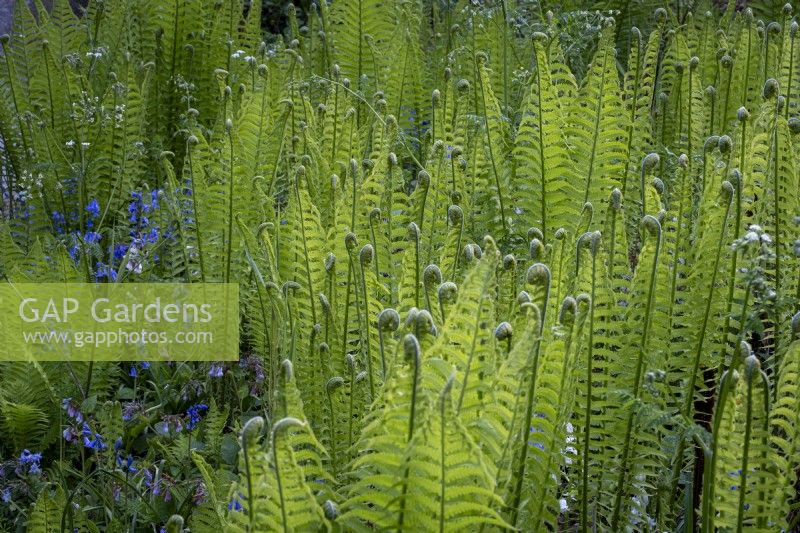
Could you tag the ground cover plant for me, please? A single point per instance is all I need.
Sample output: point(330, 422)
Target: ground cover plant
point(502, 264)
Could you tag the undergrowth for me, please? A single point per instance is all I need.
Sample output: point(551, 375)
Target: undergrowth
point(501, 267)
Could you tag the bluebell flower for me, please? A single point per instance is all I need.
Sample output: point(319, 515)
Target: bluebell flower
point(73, 411)
point(216, 370)
point(59, 221)
point(235, 505)
point(6, 495)
point(129, 410)
point(105, 272)
point(170, 423)
point(152, 236)
point(91, 237)
point(194, 413)
point(133, 372)
point(147, 480)
point(70, 434)
point(126, 464)
point(92, 440)
point(93, 209)
point(29, 460)
point(120, 250)
point(145, 365)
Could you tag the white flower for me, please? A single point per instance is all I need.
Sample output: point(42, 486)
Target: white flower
point(134, 265)
point(70, 143)
point(562, 504)
point(134, 262)
point(751, 236)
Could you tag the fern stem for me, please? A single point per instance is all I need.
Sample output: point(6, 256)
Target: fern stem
point(366, 334)
point(198, 235)
point(415, 235)
point(301, 223)
point(748, 54)
point(18, 115)
point(472, 349)
point(229, 244)
point(333, 384)
point(588, 415)
point(634, 99)
point(596, 130)
point(735, 236)
point(790, 83)
point(523, 452)
point(281, 425)
point(776, 210)
point(692, 381)
point(346, 325)
point(375, 260)
point(442, 454)
point(748, 428)
point(248, 477)
point(538, 514)
point(491, 152)
point(621, 481)
point(709, 469)
point(542, 161)
point(505, 55)
point(411, 349)
point(458, 253)
point(352, 366)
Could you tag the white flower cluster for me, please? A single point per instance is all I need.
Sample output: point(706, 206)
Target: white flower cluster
point(71, 144)
point(30, 186)
point(87, 109)
point(119, 115)
point(755, 236)
point(97, 53)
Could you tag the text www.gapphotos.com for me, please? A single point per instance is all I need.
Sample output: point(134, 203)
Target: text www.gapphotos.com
point(79, 339)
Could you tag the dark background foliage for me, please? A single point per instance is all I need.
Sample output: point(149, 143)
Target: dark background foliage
point(273, 15)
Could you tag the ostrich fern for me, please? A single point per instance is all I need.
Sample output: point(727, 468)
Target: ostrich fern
point(496, 271)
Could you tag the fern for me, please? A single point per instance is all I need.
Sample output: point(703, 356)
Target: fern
point(502, 265)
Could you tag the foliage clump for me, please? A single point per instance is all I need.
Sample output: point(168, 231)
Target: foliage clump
point(501, 267)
